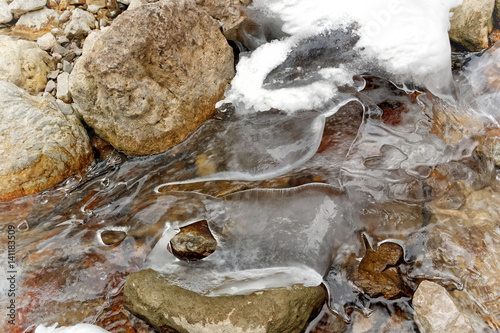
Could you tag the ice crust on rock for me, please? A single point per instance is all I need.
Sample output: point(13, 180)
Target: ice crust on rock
point(266, 238)
point(406, 40)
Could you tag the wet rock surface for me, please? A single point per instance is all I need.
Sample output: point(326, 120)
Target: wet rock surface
point(132, 78)
point(193, 242)
point(167, 306)
point(427, 171)
point(378, 273)
point(40, 145)
point(435, 311)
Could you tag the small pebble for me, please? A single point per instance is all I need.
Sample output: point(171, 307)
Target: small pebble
point(56, 56)
point(51, 85)
point(49, 97)
point(64, 107)
point(70, 56)
point(53, 75)
point(58, 48)
point(65, 16)
point(93, 8)
point(56, 31)
point(78, 52)
point(59, 66)
point(62, 40)
point(46, 42)
point(67, 67)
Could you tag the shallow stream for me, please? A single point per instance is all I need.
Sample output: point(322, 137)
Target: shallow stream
point(334, 154)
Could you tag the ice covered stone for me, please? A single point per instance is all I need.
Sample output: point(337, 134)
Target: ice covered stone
point(164, 304)
point(435, 311)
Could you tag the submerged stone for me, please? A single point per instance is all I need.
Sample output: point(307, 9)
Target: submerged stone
point(167, 306)
point(435, 311)
point(193, 242)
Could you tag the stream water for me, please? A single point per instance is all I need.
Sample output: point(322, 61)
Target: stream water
point(331, 141)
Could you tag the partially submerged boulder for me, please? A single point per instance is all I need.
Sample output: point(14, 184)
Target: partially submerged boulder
point(471, 23)
point(24, 64)
point(166, 306)
point(39, 145)
point(146, 84)
point(435, 311)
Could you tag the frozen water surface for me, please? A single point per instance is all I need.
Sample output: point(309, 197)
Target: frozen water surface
point(340, 125)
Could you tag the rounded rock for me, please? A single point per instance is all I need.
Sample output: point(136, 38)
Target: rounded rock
point(39, 145)
point(144, 87)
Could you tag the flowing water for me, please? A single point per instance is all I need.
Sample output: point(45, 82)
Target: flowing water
point(332, 143)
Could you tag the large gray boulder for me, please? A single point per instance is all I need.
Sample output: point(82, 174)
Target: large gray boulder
point(471, 23)
point(24, 64)
point(153, 77)
point(39, 145)
point(166, 306)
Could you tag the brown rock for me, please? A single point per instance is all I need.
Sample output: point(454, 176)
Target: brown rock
point(39, 145)
point(228, 12)
point(167, 306)
point(193, 242)
point(144, 87)
point(378, 273)
point(471, 23)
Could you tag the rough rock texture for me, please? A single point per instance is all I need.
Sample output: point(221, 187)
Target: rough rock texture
point(378, 273)
point(24, 64)
point(228, 12)
point(5, 14)
point(42, 19)
point(80, 24)
point(63, 88)
point(145, 87)
point(39, 146)
point(19, 7)
point(164, 305)
point(465, 243)
point(435, 311)
point(194, 242)
point(471, 23)
point(46, 42)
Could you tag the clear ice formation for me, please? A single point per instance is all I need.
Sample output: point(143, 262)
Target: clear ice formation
point(266, 239)
point(479, 83)
point(281, 97)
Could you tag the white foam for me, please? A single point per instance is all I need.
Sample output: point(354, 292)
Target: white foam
point(408, 39)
